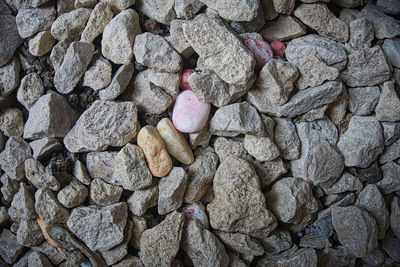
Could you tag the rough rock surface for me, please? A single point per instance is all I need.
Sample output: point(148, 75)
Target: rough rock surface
point(12, 158)
point(33, 20)
point(262, 148)
point(391, 178)
point(30, 90)
point(160, 10)
point(388, 107)
point(362, 100)
point(12, 122)
point(10, 249)
point(44, 147)
point(103, 193)
point(37, 175)
point(48, 208)
point(171, 190)
point(70, 25)
point(99, 18)
point(29, 233)
point(286, 138)
point(118, 83)
point(141, 200)
point(98, 74)
point(10, 39)
point(100, 165)
point(9, 76)
point(282, 29)
point(236, 11)
point(22, 205)
point(72, 195)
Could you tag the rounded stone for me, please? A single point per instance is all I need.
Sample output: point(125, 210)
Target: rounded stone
point(185, 79)
point(261, 50)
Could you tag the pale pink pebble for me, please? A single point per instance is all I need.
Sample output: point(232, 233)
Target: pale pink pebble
point(184, 81)
point(278, 48)
point(196, 211)
point(189, 114)
point(261, 50)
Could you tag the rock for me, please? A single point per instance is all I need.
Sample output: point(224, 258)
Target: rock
point(197, 212)
point(51, 252)
point(40, 124)
point(176, 33)
point(261, 50)
point(37, 175)
point(292, 257)
point(85, 3)
point(361, 144)
point(104, 194)
point(361, 35)
point(64, 6)
point(189, 114)
point(283, 29)
point(278, 48)
point(286, 138)
point(202, 247)
point(29, 233)
point(283, 6)
point(366, 67)
point(269, 171)
point(41, 44)
point(235, 69)
point(152, 91)
point(10, 249)
point(253, 25)
point(227, 147)
point(391, 153)
point(160, 244)
point(337, 110)
point(48, 208)
point(98, 74)
point(9, 76)
point(72, 195)
point(356, 229)
point(262, 148)
point(345, 183)
point(187, 9)
point(139, 226)
point(44, 147)
point(200, 176)
point(13, 156)
point(235, 119)
point(312, 115)
point(171, 190)
point(143, 199)
point(130, 168)
point(58, 53)
point(101, 228)
point(391, 132)
point(12, 122)
point(33, 20)
point(384, 26)
point(10, 39)
point(318, 17)
point(150, 48)
point(70, 25)
point(118, 5)
point(81, 173)
point(38, 259)
point(394, 216)
point(118, 252)
point(118, 83)
point(338, 256)
point(30, 90)
point(130, 261)
point(101, 165)
point(362, 100)
point(104, 124)
point(388, 107)
point(176, 144)
point(391, 178)
point(241, 243)
point(99, 18)
point(348, 14)
point(160, 10)
point(276, 242)
point(238, 199)
point(322, 226)
point(313, 54)
point(22, 205)
point(155, 152)
point(238, 11)
point(391, 244)
point(4, 217)
point(201, 138)
point(76, 60)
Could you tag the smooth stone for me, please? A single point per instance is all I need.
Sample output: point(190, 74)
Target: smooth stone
point(261, 50)
point(189, 114)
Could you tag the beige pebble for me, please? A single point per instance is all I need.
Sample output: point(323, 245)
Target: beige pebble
point(155, 152)
point(175, 142)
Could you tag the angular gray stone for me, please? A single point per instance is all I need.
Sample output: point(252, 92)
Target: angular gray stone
point(361, 34)
point(160, 244)
point(269, 171)
point(160, 10)
point(118, 5)
point(238, 200)
point(175, 38)
point(12, 158)
point(131, 261)
point(236, 11)
point(104, 124)
point(348, 14)
point(390, 245)
point(356, 229)
point(99, 18)
point(41, 44)
point(80, 172)
point(391, 178)
point(4, 217)
point(253, 25)
point(85, 3)
point(201, 138)
point(345, 183)
point(391, 132)
point(10, 39)
point(279, 240)
point(118, 37)
point(98, 74)
point(22, 205)
point(70, 25)
point(101, 228)
point(389, 6)
point(316, 242)
point(292, 202)
point(391, 152)
point(118, 83)
point(50, 116)
point(139, 226)
point(73, 67)
point(9, 75)
point(104, 194)
point(48, 208)
point(284, 28)
point(155, 52)
point(362, 100)
point(37, 175)
point(283, 6)
point(338, 256)
point(141, 200)
point(33, 20)
point(362, 143)
point(29, 233)
point(72, 195)
point(227, 147)
point(30, 90)
point(394, 219)
point(186, 9)
point(171, 190)
point(58, 53)
point(292, 257)
point(314, 114)
point(12, 122)
point(43, 147)
point(391, 48)
point(101, 165)
point(241, 243)
point(38, 259)
point(51, 252)
point(388, 107)
point(10, 249)
point(261, 148)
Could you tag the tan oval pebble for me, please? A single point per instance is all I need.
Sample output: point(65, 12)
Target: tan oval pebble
point(175, 142)
point(155, 152)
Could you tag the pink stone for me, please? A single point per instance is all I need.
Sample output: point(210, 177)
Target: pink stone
point(184, 81)
point(189, 114)
point(196, 211)
point(278, 48)
point(261, 50)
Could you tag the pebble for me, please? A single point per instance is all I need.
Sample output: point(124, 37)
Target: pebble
point(98, 74)
point(155, 152)
point(185, 79)
point(189, 114)
point(196, 211)
point(261, 50)
point(278, 48)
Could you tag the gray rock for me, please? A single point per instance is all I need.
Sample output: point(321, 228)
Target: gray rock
point(81, 173)
point(361, 34)
point(372, 173)
point(73, 67)
point(253, 25)
point(3, 140)
point(33, 20)
point(155, 52)
point(130, 260)
point(293, 203)
point(226, 147)
point(99, 18)
point(394, 219)
point(347, 3)
point(237, 11)
point(235, 119)
point(362, 143)
point(356, 229)
point(293, 257)
point(171, 190)
point(48, 208)
point(100, 228)
point(339, 200)
point(43, 147)
point(176, 32)
point(37, 259)
point(391, 244)
point(10, 249)
point(118, 252)
point(388, 107)
point(284, 28)
point(160, 10)
point(201, 138)
point(186, 9)
point(141, 200)
point(313, 54)
point(30, 90)
point(12, 122)
point(389, 6)
point(269, 171)
point(118, 37)
point(313, 114)
point(12, 158)
point(5, 10)
point(232, 62)
point(366, 67)
point(322, 226)
point(98, 74)
point(377, 257)
point(70, 25)
point(338, 256)
point(85, 3)
point(41, 44)
point(391, 132)
point(139, 226)
point(348, 14)
point(101, 165)
point(22, 205)
point(25, 3)
point(37, 175)
point(72, 195)
point(362, 100)
point(9, 75)
point(118, 83)
point(241, 243)
point(104, 124)
point(238, 200)
point(202, 247)
point(318, 17)
point(118, 5)
point(276, 242)
point(391, 152)
point(104, 194)
point(58, 53)
point(200, 176)
point(50, 116)
point(10, 39)
point(4, 217)
point(160, 244)
point(29, 233)
point(283, 6)
point(261, 148)
point(345, 183)
point(316, 242)
point(391, 178)
point(64, 6)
